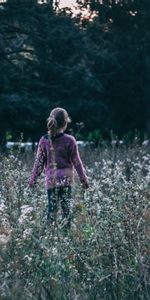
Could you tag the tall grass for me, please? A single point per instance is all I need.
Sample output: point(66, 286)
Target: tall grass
point(105, 254)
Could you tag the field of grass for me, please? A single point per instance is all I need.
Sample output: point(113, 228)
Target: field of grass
point(105, 254)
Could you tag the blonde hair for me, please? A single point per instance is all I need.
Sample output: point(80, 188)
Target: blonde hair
point(58, 118)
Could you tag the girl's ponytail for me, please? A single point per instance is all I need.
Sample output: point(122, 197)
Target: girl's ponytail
point(52, 125)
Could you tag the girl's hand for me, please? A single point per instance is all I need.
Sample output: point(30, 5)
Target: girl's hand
point(31, 185)
point(85, 185)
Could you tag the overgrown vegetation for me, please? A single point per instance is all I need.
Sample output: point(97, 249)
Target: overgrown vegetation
point(105, 255)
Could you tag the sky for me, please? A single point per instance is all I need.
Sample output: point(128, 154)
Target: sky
point(62, 3)
point(69, 3)
point(86, 13)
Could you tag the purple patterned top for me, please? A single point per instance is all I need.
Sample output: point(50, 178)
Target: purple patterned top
point(57, 156)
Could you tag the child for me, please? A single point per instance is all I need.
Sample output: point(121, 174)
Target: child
point(58, 153)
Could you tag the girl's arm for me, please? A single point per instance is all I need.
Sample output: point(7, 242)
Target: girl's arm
point(38, 164)
point(76, 160)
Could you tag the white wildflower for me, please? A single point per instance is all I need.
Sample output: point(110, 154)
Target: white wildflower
point(27, 232)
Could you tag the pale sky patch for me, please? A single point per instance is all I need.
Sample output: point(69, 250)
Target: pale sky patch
point(62, 3)
point(67, 3)
point(86, 12)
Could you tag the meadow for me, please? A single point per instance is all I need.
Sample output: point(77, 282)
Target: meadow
point(105, 254)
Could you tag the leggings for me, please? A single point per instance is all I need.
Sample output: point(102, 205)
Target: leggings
point(62, 194)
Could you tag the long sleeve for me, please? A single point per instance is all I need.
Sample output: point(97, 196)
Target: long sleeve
point(77, 163)
point(38, 164)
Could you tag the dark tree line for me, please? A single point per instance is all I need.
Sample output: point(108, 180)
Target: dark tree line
point(98, 70)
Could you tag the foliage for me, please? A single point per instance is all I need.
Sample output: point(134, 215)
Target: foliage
point(96, 68)
point(104, 255)
point(120, 39)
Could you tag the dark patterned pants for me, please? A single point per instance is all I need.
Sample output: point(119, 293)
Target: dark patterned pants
point(59, 194)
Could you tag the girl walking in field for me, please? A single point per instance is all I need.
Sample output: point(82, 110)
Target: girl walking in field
point(58, 154)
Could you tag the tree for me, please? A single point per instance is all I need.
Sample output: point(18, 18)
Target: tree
point(121, 38)
point(44, 59)
point(98, 70)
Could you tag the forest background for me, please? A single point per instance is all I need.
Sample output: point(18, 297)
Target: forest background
point(95, 63)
